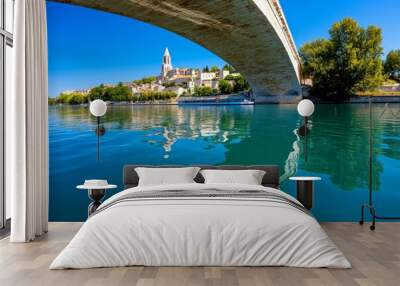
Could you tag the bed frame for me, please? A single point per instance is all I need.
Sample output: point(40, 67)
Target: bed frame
point(271, 177)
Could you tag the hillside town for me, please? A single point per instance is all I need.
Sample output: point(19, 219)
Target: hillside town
point(171, 84)
point(183, 80)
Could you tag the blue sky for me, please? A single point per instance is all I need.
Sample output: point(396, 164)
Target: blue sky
point(88, 47)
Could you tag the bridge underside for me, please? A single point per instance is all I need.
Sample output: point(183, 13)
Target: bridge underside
point(244, 33)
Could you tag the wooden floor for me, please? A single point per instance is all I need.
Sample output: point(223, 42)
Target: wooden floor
point(375, 257)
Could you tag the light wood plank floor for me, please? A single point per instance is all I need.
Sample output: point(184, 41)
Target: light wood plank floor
point(375, 257)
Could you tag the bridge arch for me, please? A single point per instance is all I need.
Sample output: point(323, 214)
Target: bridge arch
point(251, 35)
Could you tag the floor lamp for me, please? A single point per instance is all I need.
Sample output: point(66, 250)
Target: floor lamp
point(98, 108)
point(369, 206)
point(305, 108)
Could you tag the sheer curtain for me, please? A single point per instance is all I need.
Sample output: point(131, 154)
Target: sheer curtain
point(26, 124)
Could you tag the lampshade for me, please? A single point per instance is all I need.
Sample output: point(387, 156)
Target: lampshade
point(98, 107)
point(305, 108)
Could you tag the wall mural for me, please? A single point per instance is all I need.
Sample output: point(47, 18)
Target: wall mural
point(207, 115)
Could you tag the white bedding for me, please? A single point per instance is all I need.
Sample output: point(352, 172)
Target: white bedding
point(200, 231)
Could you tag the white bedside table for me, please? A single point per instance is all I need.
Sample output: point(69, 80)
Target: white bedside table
point(96, 191)
point(305, 190)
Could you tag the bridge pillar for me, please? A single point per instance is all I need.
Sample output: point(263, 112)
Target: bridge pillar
point(291, 92)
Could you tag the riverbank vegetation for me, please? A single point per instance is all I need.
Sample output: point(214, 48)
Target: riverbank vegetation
point(239, 83)
point(346, 63)
point(110, 93)
point(225, 87)
point(145, 80)
point(71, 98)
point(118, 93)
point(204, 91)
point(233, 83)
point(154, 96)
point(392, 65)
point(349, 62)
point(378, 93)
point(106, 93)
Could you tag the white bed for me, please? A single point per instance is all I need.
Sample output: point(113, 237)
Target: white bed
point(200, 231)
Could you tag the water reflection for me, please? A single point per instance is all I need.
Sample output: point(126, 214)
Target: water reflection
point(266, 134)
point(339, 144)
point(164, 125)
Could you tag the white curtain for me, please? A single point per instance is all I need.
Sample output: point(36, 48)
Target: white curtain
point(26, 124)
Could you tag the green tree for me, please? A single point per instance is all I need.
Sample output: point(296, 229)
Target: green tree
point(155, 95)
point(121, 93)
point(108, 93)
point(145, 80)
point(97, 92)
point(72, 98)
point(63, 98)
point(315, 58)
point(348, 62)
point(240, 84)
point(77, 98)
point(169, 84)
point(203, 91)
point(392, 64)
point(52, 100)
point(229, 68)
point(225, 87)
point(230, 77)
point(214, 69)
point(206, 69)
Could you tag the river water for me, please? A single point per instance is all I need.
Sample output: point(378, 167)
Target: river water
point(260, 134)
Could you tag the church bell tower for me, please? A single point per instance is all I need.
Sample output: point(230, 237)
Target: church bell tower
point(166, 63)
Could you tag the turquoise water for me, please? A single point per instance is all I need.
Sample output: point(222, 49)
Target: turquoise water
point(263, 134)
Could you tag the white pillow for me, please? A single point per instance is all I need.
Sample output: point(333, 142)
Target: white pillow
point(166, 176)
point(245, 177)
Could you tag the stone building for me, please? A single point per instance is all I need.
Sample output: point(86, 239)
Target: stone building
point(187, 79)
point(166, 63)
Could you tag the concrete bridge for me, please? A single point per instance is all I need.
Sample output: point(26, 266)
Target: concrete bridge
point(251, 35)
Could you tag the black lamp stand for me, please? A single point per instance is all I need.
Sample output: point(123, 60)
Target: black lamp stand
point(303, 131)
point(100, 131)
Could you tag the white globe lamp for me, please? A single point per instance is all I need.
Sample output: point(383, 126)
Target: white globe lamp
point(98, 108)
point(305, 108)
